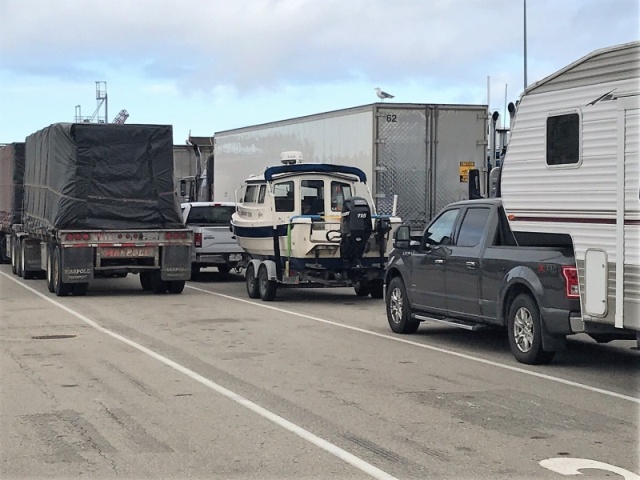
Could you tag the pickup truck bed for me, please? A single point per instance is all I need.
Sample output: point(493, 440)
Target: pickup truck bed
point(468, 269)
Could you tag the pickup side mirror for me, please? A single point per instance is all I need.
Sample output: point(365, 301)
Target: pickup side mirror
point(402, 237)
point(183, 188)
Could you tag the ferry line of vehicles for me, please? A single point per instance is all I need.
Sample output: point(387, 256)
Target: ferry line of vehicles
point(557, 254)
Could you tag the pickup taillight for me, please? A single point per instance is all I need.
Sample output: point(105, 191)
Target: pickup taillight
point(570, 275)
point(197, 240)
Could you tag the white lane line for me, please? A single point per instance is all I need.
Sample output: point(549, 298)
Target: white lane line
point(427, 347)
point(254, 407)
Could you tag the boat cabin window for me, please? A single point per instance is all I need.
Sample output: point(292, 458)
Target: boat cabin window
point(563, 139)
point(250, 194)
point(339, 193)
point(312, 197)
point(284, 196)
point(261, 193)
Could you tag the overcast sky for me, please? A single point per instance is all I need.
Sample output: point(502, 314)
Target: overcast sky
point(210, 65)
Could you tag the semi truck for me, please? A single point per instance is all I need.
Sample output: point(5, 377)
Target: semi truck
point(99, 199)
point(420, 152)
point(11, 193)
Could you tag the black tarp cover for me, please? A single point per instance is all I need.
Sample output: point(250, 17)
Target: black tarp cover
point(100, 176)
point(11, 183)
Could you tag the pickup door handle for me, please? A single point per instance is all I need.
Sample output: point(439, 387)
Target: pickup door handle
point(439, 261)
point(471, 265)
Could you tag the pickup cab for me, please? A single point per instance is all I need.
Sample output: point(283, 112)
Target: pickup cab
point(214, 243)
point(468, 269)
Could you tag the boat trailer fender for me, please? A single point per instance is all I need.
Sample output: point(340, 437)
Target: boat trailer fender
point(269, 264)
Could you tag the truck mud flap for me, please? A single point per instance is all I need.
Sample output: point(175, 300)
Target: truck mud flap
point(77, 264)
point(176, 263)
point(31, 251)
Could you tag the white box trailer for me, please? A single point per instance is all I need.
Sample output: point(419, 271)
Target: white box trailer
point(572, 168)
point(420, 152)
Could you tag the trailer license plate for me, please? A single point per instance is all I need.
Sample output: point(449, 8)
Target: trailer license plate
point(128, 252)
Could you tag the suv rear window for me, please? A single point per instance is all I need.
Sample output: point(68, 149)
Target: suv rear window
point(210, 215)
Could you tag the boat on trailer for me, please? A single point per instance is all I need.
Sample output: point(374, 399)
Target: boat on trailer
point(303, 226)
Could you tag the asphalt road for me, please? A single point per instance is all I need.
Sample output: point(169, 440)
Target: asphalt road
point(210, 384)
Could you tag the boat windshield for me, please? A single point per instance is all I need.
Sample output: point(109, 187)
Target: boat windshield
point(340, 191)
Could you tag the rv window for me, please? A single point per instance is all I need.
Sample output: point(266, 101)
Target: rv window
point(263, 190)
point(283, 196)
point(563, 139)
point(250, 194)
point(472, 227)
point(339, 193)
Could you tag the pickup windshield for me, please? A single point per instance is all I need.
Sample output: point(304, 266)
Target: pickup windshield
point(210, 215)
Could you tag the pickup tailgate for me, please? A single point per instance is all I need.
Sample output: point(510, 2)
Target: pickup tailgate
point(215, 240)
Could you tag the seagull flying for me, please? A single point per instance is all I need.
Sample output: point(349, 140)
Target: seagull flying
point(382, 94)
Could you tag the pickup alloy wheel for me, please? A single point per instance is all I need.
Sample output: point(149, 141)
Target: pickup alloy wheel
point(525, 332)
point(398, 308)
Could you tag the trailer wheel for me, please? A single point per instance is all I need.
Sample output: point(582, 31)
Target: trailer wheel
point(224, 269)
point(79, 289)
point(14, 256)
point(267, 287)
point(60, 288)
point(398, 308)
point(26, 274)
point(252, 282)
point(50, 284)
point(145, 281)
point(525, 332)
point(376, 289)
point(195, 271)
point(361, 288)
point(157, 284)
point(3, 249)
point(176, 286)
point(17, 256)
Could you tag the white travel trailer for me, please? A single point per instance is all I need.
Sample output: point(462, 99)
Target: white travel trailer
point(572, 169)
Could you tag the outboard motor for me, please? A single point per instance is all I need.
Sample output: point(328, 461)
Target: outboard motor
point(355, 228)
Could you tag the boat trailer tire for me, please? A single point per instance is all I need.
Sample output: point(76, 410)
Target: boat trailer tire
point(525, 332)
point(252, 281)
point(266, 287)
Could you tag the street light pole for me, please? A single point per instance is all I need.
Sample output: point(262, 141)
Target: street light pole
point(525, 44)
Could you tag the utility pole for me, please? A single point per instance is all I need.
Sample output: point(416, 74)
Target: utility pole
point(525, 44)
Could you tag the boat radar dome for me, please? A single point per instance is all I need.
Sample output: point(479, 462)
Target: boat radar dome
point(289, 158)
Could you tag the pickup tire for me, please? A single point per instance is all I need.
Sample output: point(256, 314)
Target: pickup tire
point(266, 287)
point(252, 282)
point(398, 308)
point(525, 332)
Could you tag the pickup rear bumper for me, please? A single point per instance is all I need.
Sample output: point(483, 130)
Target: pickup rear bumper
point(559, 321)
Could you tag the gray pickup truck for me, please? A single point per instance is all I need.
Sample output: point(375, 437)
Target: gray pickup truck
point(468, 269)
point(214, 243)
